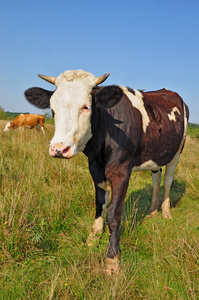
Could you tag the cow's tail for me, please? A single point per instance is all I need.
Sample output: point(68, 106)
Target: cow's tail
point(186, 119)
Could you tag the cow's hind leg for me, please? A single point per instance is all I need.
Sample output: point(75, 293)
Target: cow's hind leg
point(168, 179)
point(156, 177)
point(41, 124)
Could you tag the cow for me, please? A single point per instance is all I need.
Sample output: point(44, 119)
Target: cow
point(121, 130)
point(23, 121)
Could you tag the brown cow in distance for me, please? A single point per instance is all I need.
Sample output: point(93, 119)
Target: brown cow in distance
point(27, 121)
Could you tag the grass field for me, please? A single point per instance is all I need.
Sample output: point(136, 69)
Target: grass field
point(47, 208)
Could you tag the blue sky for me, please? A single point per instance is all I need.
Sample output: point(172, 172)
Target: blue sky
point(145, 44)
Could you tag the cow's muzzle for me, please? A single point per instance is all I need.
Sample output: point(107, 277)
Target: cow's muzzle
point(61, 151)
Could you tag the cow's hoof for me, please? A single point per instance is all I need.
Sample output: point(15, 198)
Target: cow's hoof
point(112, 265)
point(153, 211)
point(166, 215)
point(91, 240)
point(96, 232)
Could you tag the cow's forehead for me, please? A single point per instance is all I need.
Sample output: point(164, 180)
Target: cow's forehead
point(73, 87)
point(84, 78)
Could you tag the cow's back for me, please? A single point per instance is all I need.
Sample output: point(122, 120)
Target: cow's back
point(167, 126)
point(33, 120)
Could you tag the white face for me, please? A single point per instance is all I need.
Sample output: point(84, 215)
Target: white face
point(7, 127)
point(72, 107)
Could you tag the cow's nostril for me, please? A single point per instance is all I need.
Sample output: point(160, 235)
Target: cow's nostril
point(65, 150)
point(58, 152)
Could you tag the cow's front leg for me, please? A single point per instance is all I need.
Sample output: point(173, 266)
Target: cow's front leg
point(101, 203)
point(119, 187)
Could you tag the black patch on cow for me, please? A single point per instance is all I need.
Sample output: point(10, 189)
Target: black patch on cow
point(115, 133)
point(39, 97)
point(131, 90)
point(108, 96)
point(156, 170)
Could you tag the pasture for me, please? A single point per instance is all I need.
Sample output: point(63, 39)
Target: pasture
point(47, 208)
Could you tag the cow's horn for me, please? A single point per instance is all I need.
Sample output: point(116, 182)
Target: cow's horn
point(101, 79)
point(48, 78)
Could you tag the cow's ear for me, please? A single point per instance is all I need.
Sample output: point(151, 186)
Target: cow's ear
point(39, 97)
point(108, 96)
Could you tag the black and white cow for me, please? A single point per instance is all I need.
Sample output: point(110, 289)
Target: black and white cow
point(121, 130)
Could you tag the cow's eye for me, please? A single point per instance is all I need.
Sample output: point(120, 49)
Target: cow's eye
point(86, 108)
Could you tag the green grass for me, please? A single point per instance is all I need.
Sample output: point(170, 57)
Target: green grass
point(47, 208)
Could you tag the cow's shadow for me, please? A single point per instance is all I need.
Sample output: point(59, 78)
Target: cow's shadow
point(137, 203)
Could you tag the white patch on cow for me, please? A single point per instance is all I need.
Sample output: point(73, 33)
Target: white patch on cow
point(146, 166)
point(43, 130)
point(71, 103)
point(172, 116)
point(7, 127)
point(98, 225)
point(137, 102)
point(105, 185)
point(96, 231)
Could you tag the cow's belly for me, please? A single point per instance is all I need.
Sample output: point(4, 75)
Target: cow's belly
point(146, 166)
